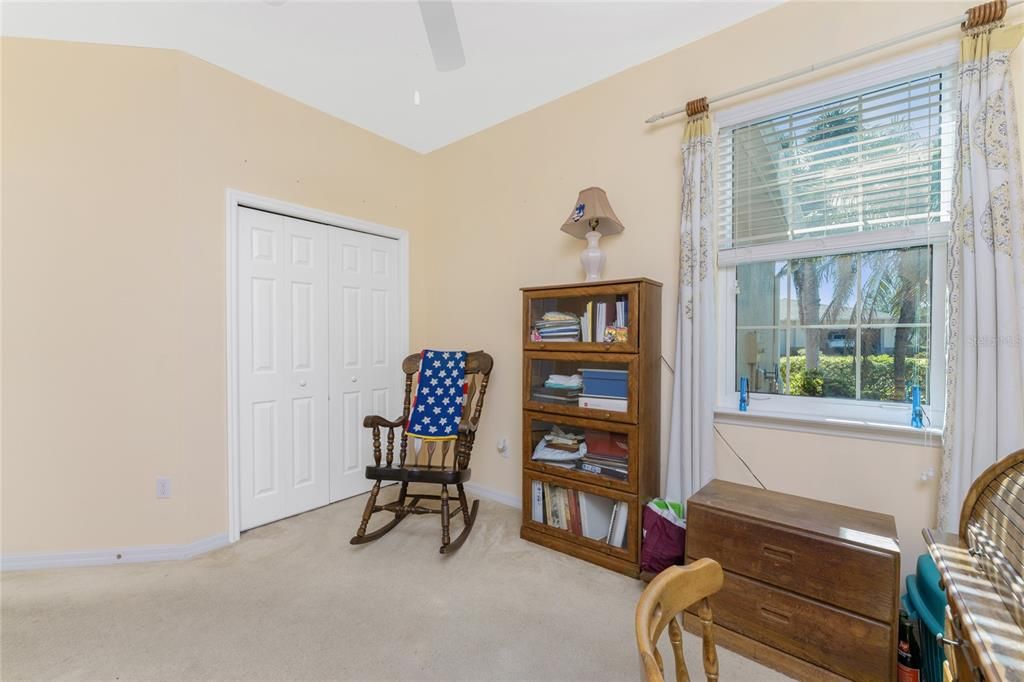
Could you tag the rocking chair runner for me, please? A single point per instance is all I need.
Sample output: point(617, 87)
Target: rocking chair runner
point(410, 467)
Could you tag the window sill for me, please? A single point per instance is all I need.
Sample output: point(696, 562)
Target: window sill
point(833, 426)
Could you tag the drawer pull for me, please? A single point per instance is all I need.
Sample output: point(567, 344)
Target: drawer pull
point(777, 553)
point(940, 639)
point(777, 616)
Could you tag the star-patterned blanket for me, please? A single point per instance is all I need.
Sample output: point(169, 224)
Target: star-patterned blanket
point(437, 408)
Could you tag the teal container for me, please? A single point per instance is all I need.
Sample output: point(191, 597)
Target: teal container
point(925, 601)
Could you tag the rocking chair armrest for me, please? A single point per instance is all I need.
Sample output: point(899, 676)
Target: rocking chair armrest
point(466, 428)
point(375, 420)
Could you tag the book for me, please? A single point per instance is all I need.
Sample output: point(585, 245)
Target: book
point(548, 505)
point(611, 522)
point(563, 501)
point(556, 507)
point(584, 523)
point(538, 502)
point(574, 512)
point(606, 444)
point(564, 447)
point(611, 462)
point(595, 516)
point(594, 403)
point(565, 464)
point(601, 318)
point(587, 323)
point(617, 535)
point(562, 395)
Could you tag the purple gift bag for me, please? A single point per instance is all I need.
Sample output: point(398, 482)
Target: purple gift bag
point(664, 536)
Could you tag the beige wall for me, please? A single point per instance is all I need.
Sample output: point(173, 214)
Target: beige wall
point(115, 162)
point(501, 195)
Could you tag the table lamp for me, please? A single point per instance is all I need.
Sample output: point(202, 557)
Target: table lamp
point(591, 218)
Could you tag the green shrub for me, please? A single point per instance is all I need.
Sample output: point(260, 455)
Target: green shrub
point(835, 377)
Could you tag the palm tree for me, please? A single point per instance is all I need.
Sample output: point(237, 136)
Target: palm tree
point(826, 146)
point(898, 282)
point(823, 142)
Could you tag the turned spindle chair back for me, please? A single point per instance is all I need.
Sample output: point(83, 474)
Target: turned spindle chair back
point(662, 604)
point(424, 462)
point(446, 453)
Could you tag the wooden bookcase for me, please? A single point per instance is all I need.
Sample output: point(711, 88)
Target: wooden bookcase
point(626, 432)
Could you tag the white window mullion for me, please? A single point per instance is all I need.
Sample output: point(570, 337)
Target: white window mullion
point(830, 246)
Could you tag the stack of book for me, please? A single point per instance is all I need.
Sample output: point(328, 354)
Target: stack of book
point(590, 516)
point(557, 326)
point(607, 454)
point(560, 388)
point(604, 466)
point(605, 389)
point(610, 331)
point(561, 448)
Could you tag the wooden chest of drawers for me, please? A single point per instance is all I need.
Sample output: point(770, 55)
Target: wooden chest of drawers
point(811, 588)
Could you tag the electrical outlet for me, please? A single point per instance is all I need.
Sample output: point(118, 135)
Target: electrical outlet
point(163, 487)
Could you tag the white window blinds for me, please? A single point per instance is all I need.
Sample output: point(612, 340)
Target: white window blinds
point(876, 160)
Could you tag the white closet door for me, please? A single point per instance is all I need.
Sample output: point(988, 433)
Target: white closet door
point(366, 373)
point(283, 366)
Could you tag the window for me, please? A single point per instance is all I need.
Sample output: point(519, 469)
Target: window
point(832, 219)
point(854, 326)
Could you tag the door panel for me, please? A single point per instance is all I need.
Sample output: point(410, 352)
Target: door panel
point(318, 310)
point(366, 375)
point(264, 457)
point(283, 366)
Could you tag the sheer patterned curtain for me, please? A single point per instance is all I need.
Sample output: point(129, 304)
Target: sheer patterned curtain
point(985, 362)
point(691, 461)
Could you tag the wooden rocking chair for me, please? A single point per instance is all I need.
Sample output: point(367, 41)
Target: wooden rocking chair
point(411, 468)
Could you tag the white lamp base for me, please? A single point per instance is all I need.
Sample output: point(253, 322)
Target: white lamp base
point(592, 257)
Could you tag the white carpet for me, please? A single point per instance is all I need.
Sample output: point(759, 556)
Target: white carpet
point(294, 600)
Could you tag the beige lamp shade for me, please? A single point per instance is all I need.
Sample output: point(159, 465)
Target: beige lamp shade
point(592, 212)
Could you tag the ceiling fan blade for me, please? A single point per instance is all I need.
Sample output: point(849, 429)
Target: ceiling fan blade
point(443, 34)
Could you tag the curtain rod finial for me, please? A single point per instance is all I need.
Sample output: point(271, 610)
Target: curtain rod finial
point(988, 13)
point(697, 106)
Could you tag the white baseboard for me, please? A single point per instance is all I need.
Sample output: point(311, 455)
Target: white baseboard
point(104, 557)
point(494, 495)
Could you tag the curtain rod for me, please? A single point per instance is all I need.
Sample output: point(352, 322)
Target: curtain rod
point(702, 105)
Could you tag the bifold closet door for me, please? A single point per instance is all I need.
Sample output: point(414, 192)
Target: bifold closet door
point(283, 366)
point(366, 373)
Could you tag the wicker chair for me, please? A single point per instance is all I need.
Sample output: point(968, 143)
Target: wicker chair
point(443, 463)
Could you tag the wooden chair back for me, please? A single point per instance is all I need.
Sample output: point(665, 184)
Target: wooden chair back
point(992, 527)
point(661, 605)
point(447, 454)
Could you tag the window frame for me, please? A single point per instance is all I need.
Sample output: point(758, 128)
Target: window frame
point(867, 411)
point(936, 235)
